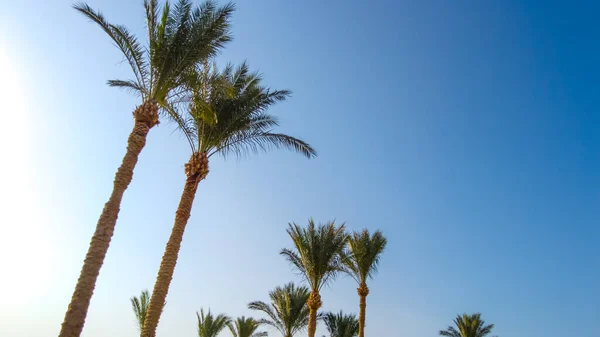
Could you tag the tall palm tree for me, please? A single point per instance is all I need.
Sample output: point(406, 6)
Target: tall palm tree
point(288, 311)
point(227, 115)
point(317, 258)
point(341, 325)
point(246, 327)
point(361, 262)
point(468, 326)
point(211, 326)
point(140, 307)
point(177, 40)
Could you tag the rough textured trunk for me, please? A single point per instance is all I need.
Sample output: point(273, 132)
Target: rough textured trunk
point(314, 303)
point(145, 116)
point(196, 170)
point(363, 292)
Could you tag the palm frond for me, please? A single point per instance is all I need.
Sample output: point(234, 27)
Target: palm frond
point(124, 40)
point(130, 85)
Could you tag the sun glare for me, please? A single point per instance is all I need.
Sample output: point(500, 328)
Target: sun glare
point(23, 250)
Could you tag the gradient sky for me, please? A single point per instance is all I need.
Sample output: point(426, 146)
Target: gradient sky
point(468, 131)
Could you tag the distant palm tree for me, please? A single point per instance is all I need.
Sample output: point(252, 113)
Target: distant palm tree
point(211, 326)
point(361, 263)
point(288, 311)
point(246, 327)
point(340, 325)
point(468, 326)
point(227, 115)
point(177, 40)
point(140, 306)
point(318, 258)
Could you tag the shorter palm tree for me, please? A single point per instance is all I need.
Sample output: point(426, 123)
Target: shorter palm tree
point(362, 260)
point(211, 326)
point(246, 327)
point(468, 326)
point(140, 307)
point(318, 258)
point(288, 311)
point(341, 325)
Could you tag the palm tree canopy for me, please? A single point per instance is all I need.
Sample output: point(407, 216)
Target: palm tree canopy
point(178, 38)
point(364, 253)
point(318, 251)
point(140, 307)
point(211, 326)
point(288, 311)
point(468, 326)
point(341, 325)
point(226, 113)
point(246, 327)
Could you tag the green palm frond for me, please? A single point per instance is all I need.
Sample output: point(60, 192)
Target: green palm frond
point(341, 325)
point(210, 325)
point(246, 327)
point(288, 311)
point(140, 307)
point(468, 326)
point(184, 36)
point(226, 113)
point(124, 40)
point(318, 251)
point(363, 255)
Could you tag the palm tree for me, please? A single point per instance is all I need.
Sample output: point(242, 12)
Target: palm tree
point(317, 258)
point(211, 326)
point(227, 115)
point(468, 326)
point(177, 40)
point(246, 327)
point(288, 311)
point(140, 307)
point(361, 262)
point(340, 325)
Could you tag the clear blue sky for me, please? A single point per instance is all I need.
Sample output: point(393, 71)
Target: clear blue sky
point(468, 131)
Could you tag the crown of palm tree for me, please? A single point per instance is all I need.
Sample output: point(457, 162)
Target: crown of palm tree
point(364, 252)
point(468, 326)
point(288, 311)
point(211, 326)
point(246, 327)
point(318, 249)
point(341, 325)
point(177, 41)
point(225, 113)
point(140, 307)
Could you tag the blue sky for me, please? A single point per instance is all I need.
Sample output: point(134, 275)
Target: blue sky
point(467, 131)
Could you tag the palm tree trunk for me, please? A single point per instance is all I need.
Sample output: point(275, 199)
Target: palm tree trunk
point(314, 303)
point(146, 116)
point(363, 292)
point(196, 170)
